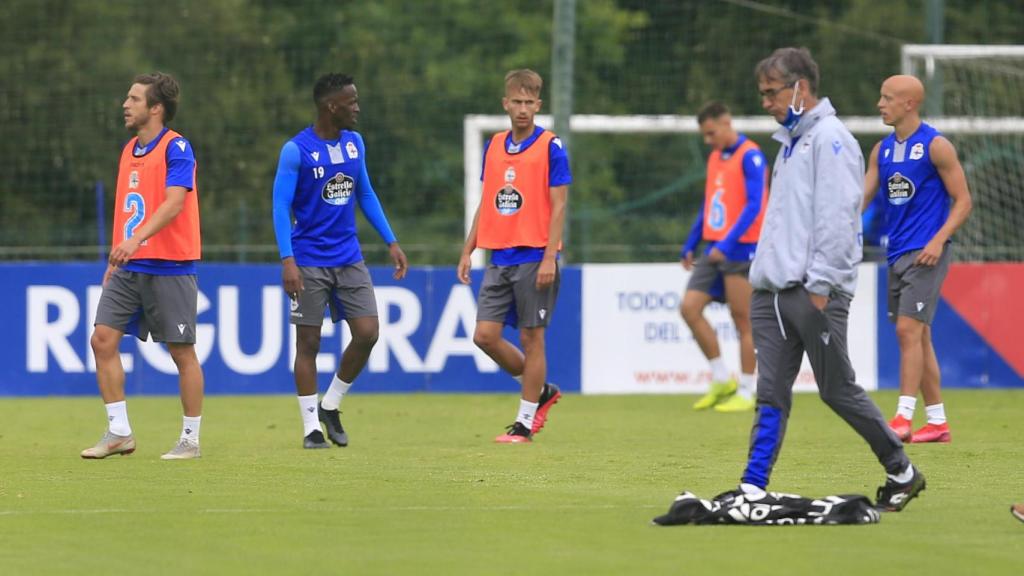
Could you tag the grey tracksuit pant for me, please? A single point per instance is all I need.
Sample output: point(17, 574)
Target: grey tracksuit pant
point(786, 324)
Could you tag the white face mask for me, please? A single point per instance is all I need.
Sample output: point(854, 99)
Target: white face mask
point(792, 114)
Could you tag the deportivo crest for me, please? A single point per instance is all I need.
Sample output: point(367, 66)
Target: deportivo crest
point(338, 189)
point(133, 180)
point(510, 175)
point(508, 201)
point(917, 151)
point(352, 151)
point(900, 189)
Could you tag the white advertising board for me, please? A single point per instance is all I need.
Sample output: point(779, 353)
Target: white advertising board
point(635, 341)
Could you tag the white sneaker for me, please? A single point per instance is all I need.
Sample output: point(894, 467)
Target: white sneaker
point(109, 445)
point(185, 449)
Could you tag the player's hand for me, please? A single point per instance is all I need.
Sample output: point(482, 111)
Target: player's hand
point(121, 253)
point(464, 266)
point(687, 261)
point(930, 254)
point(715, 255)
point(546, 273)
point(818, 300)
point(291, 279)
point(106, 274)
point(398, 257)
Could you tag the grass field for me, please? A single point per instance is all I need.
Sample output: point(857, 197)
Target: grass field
point(423, 490)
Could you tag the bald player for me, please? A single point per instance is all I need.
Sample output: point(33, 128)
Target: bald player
point(917, 170)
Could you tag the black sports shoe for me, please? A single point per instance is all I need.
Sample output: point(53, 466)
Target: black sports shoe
point(894, 496)
point(515, 434)
point(332, 420)
point(315, 440)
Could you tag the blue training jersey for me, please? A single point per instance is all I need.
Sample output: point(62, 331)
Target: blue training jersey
point(320, 182)
point(754, 164)
point(181, 164)
point(918, 203)
point(558, 175)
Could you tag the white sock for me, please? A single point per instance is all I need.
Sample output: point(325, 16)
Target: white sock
point(719, 373)
point(936, 413)
point(903, 477)
point(751, 490)
point(905, 407)
point(117, 418)
point(527, 410)
point(334, 395)
point(310, 419)
point(748, 385)
point(518, 378)
point(190, 428)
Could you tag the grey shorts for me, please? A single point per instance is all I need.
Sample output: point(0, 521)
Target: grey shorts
point(709, 277)
point(148, 304)
point(914, 290)
point(509, 295)
point(348, 291)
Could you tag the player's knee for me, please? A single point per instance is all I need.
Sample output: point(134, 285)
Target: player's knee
point(485, 340)
point(691, 312)
point(307, 344)
point(103, 343)
point(183, 355)
point(366, 337)
point(909, 331)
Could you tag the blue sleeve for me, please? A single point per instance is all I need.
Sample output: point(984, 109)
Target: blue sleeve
point(753, 174)
point(368, 201)
point(483, 162)
point(285, 182)
point(695, 234)
point(558, 166)
point(181, 164)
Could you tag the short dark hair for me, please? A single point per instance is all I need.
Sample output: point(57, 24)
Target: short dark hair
point(713, 109)
point(329, 84)
point(163, 89)
point(787, 65)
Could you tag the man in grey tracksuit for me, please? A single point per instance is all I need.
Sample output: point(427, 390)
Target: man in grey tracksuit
point(805, 273)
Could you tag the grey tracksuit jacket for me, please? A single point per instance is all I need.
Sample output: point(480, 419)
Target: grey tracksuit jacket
point(811, 233)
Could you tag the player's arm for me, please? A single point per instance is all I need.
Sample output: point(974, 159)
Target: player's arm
point(871, 179)
point(944, 157)
point(465, 262)
point(181, 165)
point(370, 204)
point(753, 178)
point(837, 190)
point(285, 182)
point(692, 241)
point(548, 266)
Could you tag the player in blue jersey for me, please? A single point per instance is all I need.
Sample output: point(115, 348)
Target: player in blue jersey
point(321, 177)
point(918, 173)
point(735, 191)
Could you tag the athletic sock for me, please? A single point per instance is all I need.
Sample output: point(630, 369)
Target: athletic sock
point(518, 379)
point(719, 372)
point(903, 477)
point(527, 410)
point(905, 407)
point(748, 385)
point(750, 489)
point(117, 418)
point(936, 413)
point(335, 394)
point(310, 419)
point(190, 428)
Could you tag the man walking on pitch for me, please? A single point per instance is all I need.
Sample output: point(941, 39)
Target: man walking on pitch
point(525, 183)
point(730, 221)
point(149, 286)
point(804, 276)
point(919, 175)
point(321, 176)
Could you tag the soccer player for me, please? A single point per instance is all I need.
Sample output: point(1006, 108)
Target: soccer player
point(149, 286)
point(920, 177)
point(525, 183)
point(321, 177)
point(804, 275)
point(730, 222)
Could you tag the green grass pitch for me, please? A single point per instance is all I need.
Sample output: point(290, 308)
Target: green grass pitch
point(423, 490)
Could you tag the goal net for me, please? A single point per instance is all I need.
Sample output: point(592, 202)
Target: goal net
point(983, 85)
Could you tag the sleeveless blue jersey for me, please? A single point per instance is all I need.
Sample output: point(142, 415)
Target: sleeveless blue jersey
point(917, 201)
point(325, 199)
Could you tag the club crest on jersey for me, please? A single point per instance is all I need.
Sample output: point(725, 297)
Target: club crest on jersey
point(510, 175)
point(900, 189)
point(351, 150)
point(917, 151)
point(508, 201)
point(338, 189)
point(133, 180)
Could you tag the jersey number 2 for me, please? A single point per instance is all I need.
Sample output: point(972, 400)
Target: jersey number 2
point(135, 205)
